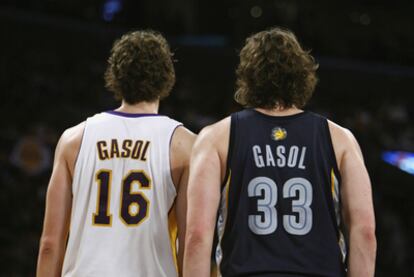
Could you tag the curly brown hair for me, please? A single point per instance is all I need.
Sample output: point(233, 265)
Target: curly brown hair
point(275, 71)
point(140, 67)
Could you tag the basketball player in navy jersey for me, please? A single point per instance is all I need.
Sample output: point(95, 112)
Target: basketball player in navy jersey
point(117, 175)
point(290, 187)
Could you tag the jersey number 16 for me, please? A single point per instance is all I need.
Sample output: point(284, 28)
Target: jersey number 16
point(129, 199)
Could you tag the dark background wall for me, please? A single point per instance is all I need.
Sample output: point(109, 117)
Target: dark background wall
point(53, 54)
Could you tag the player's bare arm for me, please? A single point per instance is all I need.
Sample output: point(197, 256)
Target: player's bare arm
point(58, 204)
point(358, 211)
point(181, 145)
point(207, 170)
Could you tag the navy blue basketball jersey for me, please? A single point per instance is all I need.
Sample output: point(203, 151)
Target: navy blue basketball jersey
point(280, 213)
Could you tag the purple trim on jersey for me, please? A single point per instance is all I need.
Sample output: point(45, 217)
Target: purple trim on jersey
point(169, 154)
point(132, 114)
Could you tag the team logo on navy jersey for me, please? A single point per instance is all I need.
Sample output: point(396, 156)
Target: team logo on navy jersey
point(278, 133)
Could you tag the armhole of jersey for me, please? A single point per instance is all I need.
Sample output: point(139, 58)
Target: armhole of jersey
point(81, 149)
point(336, 198)
point(232, 139)
point(170, 178)
point(331, 150)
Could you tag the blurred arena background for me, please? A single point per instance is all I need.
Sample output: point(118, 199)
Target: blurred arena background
point(53, 54)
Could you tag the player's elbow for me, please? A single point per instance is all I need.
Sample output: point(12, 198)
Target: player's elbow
point(367, 232)
point(196, 239)
point(49, 246)
point(364, 233)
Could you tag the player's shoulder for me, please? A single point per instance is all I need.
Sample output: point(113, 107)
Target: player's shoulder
point(215, 133)
point(182, 139)
point(183, 133)
point(70, 142)
point(214, 138)
point(343, 141)
point(73, 135)
point(340, 134)
point(182, 142)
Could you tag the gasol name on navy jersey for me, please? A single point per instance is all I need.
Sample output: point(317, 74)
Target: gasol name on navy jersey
point(280, 213)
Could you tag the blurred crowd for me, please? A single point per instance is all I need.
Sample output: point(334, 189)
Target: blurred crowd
point(51, 82)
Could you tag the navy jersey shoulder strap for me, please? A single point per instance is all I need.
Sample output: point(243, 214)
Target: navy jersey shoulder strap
point(326, 136)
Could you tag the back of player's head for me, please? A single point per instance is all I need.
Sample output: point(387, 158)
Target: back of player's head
point(140, 67)
point(275, 71)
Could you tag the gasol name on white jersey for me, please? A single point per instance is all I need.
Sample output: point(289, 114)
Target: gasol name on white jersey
point(123, 192)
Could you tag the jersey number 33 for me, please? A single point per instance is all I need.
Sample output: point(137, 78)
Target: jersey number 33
point(266, 222)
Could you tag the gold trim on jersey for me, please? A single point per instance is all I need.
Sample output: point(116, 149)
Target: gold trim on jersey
point(333, 182)
point(173, 233)
point(337, 208)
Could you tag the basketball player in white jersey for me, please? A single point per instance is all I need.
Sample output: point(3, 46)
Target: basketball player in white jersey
point(119, 179)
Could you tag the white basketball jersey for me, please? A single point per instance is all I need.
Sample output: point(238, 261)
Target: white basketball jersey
point(122, 194)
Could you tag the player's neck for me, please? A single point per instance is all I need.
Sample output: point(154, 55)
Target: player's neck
point(278, 111)
point(141, 107)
